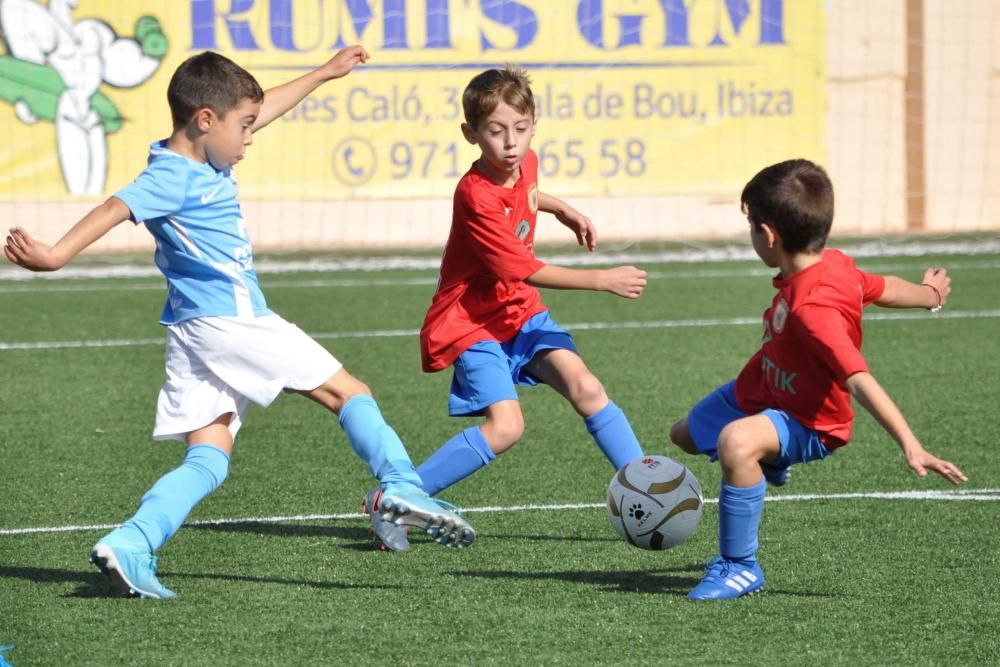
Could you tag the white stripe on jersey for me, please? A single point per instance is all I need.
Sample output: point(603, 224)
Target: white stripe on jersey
point(185, 238)
point(241, 291)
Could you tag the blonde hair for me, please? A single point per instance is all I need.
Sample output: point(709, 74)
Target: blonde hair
point(487, 89)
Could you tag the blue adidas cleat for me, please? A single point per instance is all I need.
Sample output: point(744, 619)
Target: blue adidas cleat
point(728, 579)
point(776, 476)
point(131, 569)
point(387, 535)
point(408, 505)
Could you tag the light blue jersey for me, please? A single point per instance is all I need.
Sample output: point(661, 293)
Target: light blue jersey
point(202, 246)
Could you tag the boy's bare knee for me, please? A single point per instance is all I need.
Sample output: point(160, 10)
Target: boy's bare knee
point(591, 388)
point(678, 433)
point(681, 436)
point(338, 390)
point(503, 432)
point(587, 394)
point(506, 436)
point(733, 448)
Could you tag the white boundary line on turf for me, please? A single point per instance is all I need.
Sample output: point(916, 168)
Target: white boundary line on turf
point(43, 286)
point(735, 251)
point(574, 326)
point(977, 495)
point(268, 285)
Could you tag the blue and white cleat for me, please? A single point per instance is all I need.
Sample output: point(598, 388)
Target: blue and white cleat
point(728, 579)
point(131, 569)
point(387, 535)
point(408, 505)
point(776, 476)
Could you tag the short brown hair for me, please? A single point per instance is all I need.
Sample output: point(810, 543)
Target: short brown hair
point(487, 89)
point(796, 198)
point(209, 80)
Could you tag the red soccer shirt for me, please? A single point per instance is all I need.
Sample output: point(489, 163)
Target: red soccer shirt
point(481, 293)
point(811, 345)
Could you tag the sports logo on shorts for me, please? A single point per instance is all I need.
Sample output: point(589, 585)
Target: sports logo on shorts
point(533, 197)
point(779, 316)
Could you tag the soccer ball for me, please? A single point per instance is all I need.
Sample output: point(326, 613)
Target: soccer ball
point(654, 503)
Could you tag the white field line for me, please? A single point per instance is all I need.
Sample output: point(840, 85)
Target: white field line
point(689, 255)
point(573, 326)
point(268, 285)
point(47, 284)
point(975, 495)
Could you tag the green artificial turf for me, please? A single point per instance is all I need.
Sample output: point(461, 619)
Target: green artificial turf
point(865, 580)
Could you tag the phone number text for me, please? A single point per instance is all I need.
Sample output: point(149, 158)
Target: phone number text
point(570, 158)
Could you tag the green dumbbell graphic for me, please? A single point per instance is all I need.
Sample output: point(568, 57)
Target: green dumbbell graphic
point(149, 34)
point(38, 87)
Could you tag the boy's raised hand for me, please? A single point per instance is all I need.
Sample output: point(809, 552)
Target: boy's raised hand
point(280, 99)
point(28, 253)
point(344, 61)
point(625, 281)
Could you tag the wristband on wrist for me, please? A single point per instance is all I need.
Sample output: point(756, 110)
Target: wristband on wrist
point(940, 303)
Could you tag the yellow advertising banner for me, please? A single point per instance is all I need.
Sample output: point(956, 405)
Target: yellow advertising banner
point(634, 97)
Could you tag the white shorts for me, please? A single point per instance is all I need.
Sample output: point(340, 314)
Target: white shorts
point(217, 365)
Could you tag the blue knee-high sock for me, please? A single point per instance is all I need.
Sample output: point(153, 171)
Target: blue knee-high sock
point(455, 460)
point(166, 505)
point(740, 509)
point(613, 433)
point(376, 443)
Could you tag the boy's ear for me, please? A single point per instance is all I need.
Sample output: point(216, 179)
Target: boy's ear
point(469, 133)
point(204, 118)
point(772, 235)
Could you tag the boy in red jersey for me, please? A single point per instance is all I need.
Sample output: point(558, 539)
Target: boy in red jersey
point(791, 403)
point(487, 319)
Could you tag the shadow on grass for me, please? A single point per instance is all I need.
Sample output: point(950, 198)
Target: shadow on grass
point(554, 538)
point(354, 538)
point(322, 585)
point(674, 581)
point(96, 585)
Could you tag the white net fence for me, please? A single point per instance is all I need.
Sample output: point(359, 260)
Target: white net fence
point(652, 113)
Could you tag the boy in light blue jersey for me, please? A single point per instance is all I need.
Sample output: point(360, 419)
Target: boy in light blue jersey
point(225, 348)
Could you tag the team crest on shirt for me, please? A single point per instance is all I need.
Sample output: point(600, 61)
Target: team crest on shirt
point(779, 316)
point(523, 229)
point(533, 197)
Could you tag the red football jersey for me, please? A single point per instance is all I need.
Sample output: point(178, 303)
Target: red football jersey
point(811, 345)
point(481, 293)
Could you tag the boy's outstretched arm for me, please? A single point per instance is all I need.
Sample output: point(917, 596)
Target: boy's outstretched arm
point(33, 255)
point(869, 393)
point(931, 293)
point(625, 281)
point(580, 224)
point(278, 100)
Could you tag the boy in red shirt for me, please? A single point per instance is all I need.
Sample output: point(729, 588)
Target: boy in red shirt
point(791, 403)
point(487, 319)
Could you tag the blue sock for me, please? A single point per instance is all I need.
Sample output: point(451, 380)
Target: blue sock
point(739, 519)
point(613, 434)
point(166, 505)
point(376, 443)
point(455, 460)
